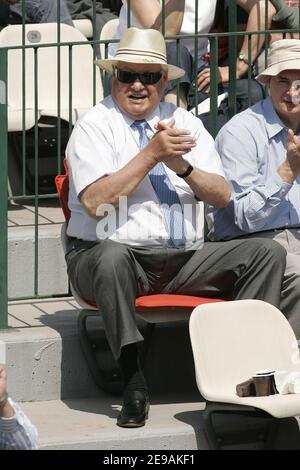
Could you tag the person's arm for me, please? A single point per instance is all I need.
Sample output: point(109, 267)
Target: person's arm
point(208, 187)
point(290, 168)
point(287, 15)
point(256, 22)
point(16, 431)
point(6, 410)
point(109, 189)
point(149, 14)
point(256, 198)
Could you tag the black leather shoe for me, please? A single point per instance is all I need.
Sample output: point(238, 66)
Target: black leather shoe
point(135, 409)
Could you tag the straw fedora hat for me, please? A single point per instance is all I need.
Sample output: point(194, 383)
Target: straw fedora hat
point(283, 55)
point(141, 46)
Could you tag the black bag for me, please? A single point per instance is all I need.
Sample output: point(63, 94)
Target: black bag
point(49, 159)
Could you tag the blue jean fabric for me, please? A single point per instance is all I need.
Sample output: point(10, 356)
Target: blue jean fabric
point(40, 11)
point(179, 55)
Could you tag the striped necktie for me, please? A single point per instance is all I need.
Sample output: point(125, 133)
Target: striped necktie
point(169, 200)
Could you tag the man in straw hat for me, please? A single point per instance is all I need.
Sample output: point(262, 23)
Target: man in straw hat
point(137, 168)
point(260, 151)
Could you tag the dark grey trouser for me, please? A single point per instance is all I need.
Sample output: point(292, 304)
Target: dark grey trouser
point(113, 275)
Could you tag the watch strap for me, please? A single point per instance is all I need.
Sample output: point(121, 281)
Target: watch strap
point(187, 172)
point(243, 58)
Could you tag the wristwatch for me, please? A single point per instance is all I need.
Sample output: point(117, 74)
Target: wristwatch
point(243, 57)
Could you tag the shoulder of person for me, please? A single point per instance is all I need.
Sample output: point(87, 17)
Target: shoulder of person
point(246, 119)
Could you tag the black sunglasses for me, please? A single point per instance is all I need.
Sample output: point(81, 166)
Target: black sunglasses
point(147, 78)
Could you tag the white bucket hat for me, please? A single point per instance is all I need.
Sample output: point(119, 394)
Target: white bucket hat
point(283, 55)
point(141, 46)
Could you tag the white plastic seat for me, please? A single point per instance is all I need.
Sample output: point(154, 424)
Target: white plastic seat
point(107, 32)
point(82, 75)
point(233, 340)
point(85, 26)
point(204, 106)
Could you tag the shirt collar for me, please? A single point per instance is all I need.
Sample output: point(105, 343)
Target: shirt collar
point(152, 119)
point(274, 125)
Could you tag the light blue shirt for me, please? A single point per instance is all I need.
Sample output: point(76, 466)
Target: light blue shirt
point(252, 146)
point(17, 432)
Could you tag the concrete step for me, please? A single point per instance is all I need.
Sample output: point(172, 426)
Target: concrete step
point(175, 422)
point(91, 424)
point(52, 273)
point(43, 353)
point(47, 371)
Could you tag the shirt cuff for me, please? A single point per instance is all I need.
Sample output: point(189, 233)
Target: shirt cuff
point(277, 186)
point(9, 424)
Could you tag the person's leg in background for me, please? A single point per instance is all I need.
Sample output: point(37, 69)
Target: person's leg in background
point(40, 11)
point(177, 54)
point(4, 14)
point(243, 100)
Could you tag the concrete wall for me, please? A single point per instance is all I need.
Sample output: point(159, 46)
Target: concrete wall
point(52, 272)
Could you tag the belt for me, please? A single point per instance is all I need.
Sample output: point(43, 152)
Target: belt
point(280, 229)
point(273, 230)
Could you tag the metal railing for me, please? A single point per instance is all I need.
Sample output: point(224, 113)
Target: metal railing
point(3, 190)
point(214, 39)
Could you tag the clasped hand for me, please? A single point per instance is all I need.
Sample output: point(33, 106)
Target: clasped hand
point(293, 152)
point(170, 144)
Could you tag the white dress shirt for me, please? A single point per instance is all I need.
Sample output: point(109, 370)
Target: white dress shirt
point(101, 143)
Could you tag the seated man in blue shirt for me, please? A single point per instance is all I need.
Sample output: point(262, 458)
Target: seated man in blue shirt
point(260, 152)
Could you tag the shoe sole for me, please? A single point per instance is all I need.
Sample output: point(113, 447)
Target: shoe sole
point(135, 425)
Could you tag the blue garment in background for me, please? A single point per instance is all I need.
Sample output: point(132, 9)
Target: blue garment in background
point(40, 11)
